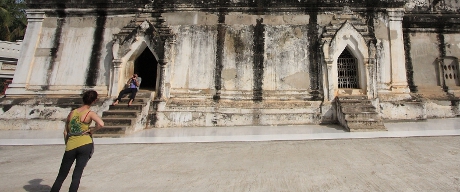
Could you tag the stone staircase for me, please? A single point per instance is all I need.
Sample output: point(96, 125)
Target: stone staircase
point(121, 120)
point(356, 113)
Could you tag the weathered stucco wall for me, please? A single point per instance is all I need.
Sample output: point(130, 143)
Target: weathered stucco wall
point(383, 55)
point(424, 52)
point(244, 62)
point(427, 5)
point(41, 113)
point(452, 43)
point(193, 67)
point(237, 60)
point(73, 53)
point(287, 65)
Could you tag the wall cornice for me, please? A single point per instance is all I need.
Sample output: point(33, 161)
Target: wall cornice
point(218, 4)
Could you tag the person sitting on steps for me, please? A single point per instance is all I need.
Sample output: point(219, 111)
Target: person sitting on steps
point(133, 86)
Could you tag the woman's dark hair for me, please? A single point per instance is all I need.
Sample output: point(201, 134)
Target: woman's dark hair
point(89, 97)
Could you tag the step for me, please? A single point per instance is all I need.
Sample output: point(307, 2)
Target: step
point(72, 106)
point(117, 121)
point(353, 97)
point(354, 102)
point(368, 130)
point(125, 107)
point(120, 114)
point(112, 130)
point(357, 109)
point(136, 101)
point(358, 125)
point(362, 116)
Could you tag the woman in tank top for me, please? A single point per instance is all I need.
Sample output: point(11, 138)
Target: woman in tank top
point(79, 143)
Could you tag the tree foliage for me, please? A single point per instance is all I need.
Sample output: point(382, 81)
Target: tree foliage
point(13, 20)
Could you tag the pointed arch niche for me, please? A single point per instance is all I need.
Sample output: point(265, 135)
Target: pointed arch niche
point(349, 43)
point(128, 45)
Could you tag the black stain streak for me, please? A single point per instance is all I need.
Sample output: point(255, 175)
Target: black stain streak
point(60, 11)
point(258, 65)
point(409, 65)
point(219, 55)
point(442, 49)
point(314, 50)
point(442, 43)
point(98, 39)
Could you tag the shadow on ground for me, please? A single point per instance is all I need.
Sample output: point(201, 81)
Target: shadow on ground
point(35, 186)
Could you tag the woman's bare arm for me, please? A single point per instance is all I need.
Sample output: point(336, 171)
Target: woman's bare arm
point(66, 126)
point(99, 123)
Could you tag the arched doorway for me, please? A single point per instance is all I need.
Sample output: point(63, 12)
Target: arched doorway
point(146, 67)
point(347, 71)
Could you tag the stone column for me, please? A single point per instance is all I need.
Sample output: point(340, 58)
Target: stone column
point(161, 84)
point(398, 65)
point(330, 80)
point(115, 87)
point(26, 57)
point(370, 77)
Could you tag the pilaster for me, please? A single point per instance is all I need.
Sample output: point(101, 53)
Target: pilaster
point(330, 82)
point(398, 67)
point(115, 87)
point(26, 57)
point(161, 84)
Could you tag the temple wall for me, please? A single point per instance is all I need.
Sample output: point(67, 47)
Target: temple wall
point(383, 56)
point(195, 63)
point(266, 52)
point(238, 61)
point(452, 43)
point(43, 53)
point(427, 5)
point(245, 62)
point(286, 42)
point(66, 48)
point(287, 65)
point(424, 52)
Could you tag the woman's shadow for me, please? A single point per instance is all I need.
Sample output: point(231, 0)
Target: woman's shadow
point(35, 186)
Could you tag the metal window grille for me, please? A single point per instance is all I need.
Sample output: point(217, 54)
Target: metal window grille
point(450, 71)
point(347, 69)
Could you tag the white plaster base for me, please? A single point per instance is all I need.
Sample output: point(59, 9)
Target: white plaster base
point(187, 113)
point(403, 110)
point(31, 124)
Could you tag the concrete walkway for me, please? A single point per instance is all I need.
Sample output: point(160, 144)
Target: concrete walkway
point(430, 127)
point(308, 158)
point(381, 164)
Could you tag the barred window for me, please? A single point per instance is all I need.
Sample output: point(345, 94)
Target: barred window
point(347, 70)
point(450, 70)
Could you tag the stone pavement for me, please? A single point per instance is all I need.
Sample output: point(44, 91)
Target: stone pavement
point(430, 127)
point(392, 161)
point(381, 164)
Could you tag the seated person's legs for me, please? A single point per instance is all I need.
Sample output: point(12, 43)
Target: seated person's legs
point(120, 95)
point(132, 96)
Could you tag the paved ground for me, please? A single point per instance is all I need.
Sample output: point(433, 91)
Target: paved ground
point(430, 127)
point(379, 164)
point(278, 158)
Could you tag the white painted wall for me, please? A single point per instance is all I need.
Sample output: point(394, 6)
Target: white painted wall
point(195, 65)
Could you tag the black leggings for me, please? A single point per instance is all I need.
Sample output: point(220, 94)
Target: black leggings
point(82, 155)
point(132, 93)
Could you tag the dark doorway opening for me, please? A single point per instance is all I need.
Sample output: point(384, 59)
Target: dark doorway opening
point(146, 67)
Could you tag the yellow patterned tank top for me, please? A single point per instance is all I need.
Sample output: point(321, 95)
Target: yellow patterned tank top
point(75, 126)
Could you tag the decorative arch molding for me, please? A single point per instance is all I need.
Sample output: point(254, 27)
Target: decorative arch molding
point(141, 33)
point(361, 44)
